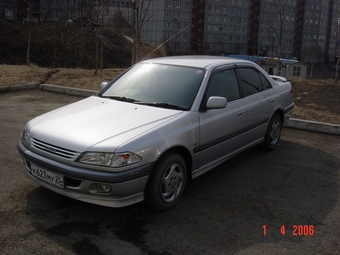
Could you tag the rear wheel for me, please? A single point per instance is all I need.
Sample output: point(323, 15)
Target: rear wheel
point(166, 182)
point(273, 133)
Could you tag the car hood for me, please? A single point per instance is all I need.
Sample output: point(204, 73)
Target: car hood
point(85, 124)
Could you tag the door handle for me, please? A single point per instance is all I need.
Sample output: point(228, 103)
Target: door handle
point(240, 113)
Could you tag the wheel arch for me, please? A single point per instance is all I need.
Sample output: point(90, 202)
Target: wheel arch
point(185, 153)
point(281, 115)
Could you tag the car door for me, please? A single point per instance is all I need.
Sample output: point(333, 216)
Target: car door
point(259, 100)
point(222, 131)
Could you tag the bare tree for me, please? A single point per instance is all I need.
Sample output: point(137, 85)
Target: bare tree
point(279, 25)
point(47, 11)
point(315, 54)
point(141, 15)
point(98, 18)
point(28, 15)
point(337, 50)
point(67, 9)
point(337, 64)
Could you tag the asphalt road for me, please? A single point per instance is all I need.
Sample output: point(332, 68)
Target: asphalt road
point(280, 202)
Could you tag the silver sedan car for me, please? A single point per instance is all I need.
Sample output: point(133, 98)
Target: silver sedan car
point(153, 127)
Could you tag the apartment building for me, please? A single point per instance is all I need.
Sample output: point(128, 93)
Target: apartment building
point(169, 21)
point(199, 26)
point(293, 29)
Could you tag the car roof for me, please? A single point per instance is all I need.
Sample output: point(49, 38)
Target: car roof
point(195, 60)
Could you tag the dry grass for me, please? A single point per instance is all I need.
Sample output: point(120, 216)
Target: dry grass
point(12, 74)
point(317, 100)
point(79, 78)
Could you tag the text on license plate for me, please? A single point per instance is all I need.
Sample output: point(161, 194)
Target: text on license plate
point(53, 178)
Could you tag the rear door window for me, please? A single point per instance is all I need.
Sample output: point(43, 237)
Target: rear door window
point(252, 81)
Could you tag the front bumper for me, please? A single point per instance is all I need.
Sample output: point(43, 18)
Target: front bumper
point(127, 187)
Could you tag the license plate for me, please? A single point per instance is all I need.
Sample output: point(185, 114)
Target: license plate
point(48, 176)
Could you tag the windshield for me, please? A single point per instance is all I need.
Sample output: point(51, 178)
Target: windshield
point(157, 85)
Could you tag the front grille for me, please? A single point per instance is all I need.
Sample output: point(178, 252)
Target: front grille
point(55, 150)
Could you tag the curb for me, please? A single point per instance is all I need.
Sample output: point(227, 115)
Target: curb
point(68, 90)
point(307, 125)
point(315, 126)
point(19, 87)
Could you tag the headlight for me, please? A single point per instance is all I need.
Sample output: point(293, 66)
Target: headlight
point(25, 137)
point(109, 159)
point(124, 159)
point(96, 158)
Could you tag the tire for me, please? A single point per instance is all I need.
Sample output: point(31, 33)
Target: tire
point(273, 133)
point(166, 182)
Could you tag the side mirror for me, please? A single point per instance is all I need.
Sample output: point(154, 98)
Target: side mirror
point(216, 103)
point(103, 85)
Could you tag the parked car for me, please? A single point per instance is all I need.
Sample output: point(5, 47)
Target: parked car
point(149, 130)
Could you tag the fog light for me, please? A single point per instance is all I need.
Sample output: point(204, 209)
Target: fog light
point(103, 188)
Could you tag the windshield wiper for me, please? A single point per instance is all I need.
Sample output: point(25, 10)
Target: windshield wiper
point(163, 105)
point(120, 98)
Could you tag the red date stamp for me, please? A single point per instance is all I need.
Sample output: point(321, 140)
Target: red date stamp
point(296, 230)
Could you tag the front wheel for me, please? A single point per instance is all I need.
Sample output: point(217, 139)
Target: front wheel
point(273, 133)
point(166, 182)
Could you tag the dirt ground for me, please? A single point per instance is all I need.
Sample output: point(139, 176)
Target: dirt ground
point(316, 100)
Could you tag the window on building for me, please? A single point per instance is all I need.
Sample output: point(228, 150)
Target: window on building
point(297, 71)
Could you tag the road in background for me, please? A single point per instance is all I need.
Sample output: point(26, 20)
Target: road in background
point(280, 202)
